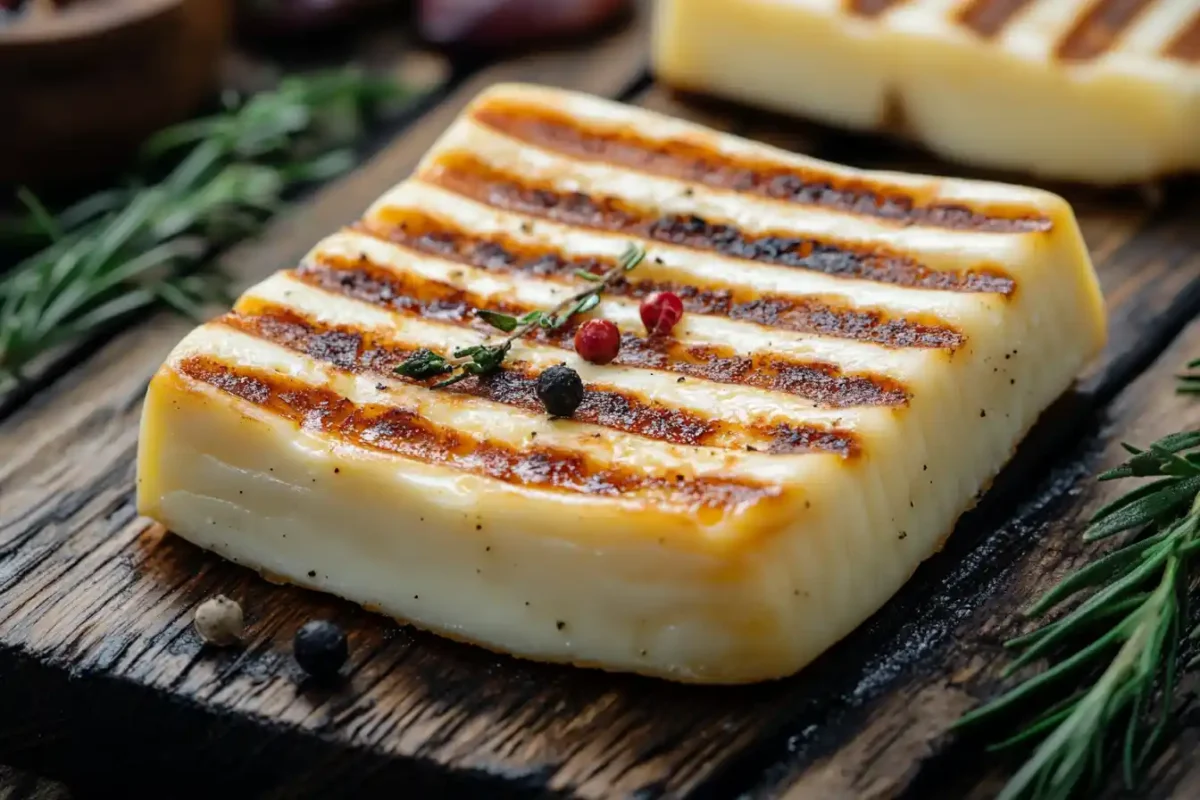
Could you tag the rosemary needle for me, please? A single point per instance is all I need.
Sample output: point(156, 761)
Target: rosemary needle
point(149, 243)
point(1122, 642)
point(1189, 381)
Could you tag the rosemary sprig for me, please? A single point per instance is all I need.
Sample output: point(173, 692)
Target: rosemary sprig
point(1189, 381)
point(484, 359)
point(1126, 635)
point(147, 242)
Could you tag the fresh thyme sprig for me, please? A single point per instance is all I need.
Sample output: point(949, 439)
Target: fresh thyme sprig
point(1128, 632)
point(484, 359)
point(148, 243)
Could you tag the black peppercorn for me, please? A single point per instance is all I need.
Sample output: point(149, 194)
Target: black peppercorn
point(320, 648)
point(560, 390)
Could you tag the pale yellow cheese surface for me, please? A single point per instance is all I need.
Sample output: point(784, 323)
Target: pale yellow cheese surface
point(637, 581)
point(1006, 98)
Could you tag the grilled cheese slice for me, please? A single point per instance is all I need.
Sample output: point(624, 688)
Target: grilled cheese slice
point(856, 362)
point(1104, 91)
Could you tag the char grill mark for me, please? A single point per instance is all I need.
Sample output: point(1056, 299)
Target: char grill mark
point(863, 325)
point(823, 383)
point(988, 17)
point(803, 439)
point(697, 163)
point(871, 8)
point(424, 234)
point(1097, 30)
point(1186, 46)
point(400, 292)
point(360, 352)
point(467, 176)
point(406, 433)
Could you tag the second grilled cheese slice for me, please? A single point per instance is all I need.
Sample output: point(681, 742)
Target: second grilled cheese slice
point(1104, 91)
point(859, 356)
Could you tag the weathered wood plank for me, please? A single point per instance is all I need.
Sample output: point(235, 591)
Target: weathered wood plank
point(16, 785)
point(903, 748)
point(889, 738)
point(388, 53)
point(95, 605)
point(1177, 773)
point(86, 586)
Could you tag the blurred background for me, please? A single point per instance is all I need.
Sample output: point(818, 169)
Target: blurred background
point(84, 82)
point(183, 124)
point(143, 137)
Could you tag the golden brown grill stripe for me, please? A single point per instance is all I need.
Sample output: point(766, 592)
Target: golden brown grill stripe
point(357, 351)
point(807, 314)
point(823, 383)
point(1097, 30)
point(465, 175)
point(690, 161)
point(988, 17)
point(1186, 46)
point(406, 433)
point(871, 8)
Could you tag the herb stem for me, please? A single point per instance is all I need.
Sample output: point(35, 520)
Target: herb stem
point(148, 243)
point(484, 359)
point(628, 261)
point(1129, 632)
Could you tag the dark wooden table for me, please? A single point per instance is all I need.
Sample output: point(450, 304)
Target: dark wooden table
point(103, 683)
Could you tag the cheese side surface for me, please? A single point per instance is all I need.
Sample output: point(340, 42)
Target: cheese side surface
point(860, 354)
point(1103, 91)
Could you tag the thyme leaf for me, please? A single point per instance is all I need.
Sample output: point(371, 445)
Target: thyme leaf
point(424, 364)
point(485, 359)
point(497, 320)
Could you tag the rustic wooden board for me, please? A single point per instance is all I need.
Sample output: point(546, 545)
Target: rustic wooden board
point(16, 785)
point(387, 52)
point(901, 747)
point(945, 652)
point(103, 682)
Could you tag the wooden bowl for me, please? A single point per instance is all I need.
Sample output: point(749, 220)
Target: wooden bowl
point(83, 87)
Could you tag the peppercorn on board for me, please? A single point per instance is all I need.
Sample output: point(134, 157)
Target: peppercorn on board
point(96, 603)
point(728, 501)
point(1104, 91)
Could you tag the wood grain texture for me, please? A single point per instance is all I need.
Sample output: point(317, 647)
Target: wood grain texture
point(17, 785)
point(1147, 252)
point(99, 667)
point(385, 52)
point(902, 747)
point(85, 549)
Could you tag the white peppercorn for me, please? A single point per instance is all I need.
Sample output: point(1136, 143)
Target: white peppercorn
point(219, 621)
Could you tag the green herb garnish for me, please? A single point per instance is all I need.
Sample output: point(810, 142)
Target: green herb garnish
point(1129, 632)
point(149, 243)
point(1189, 381)
point(484, 359)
